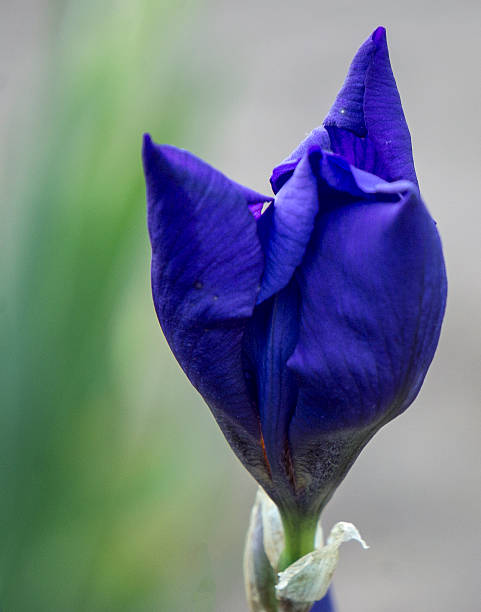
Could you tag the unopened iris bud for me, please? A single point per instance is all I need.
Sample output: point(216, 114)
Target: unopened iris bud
point(307, 320)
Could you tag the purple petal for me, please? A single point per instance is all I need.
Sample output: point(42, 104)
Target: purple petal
point(317, 139)
point(321, 181)
point(366, 123)
point(269, 341)
point(206, 267)
point(294, 211)
point(325, 604)
point(373, 289)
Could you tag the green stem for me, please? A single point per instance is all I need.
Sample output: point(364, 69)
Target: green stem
point(299, 537)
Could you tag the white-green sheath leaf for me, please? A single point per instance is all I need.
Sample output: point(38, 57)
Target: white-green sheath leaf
point(308, 579)
point(272, 528)
point(259, 577)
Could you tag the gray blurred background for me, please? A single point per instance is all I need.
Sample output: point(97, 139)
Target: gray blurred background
point(118, 491)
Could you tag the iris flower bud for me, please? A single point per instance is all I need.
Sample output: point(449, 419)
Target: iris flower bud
point(307, 320)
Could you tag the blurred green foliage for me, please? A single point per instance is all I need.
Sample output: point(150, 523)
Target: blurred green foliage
point(98, 461)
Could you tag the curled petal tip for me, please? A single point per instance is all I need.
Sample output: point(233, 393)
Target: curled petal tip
point(314, 150)
point(400, 187)
point(314, 155)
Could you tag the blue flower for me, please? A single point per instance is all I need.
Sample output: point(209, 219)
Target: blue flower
point(306, 320)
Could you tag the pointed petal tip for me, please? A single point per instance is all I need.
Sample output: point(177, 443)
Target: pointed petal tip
point(146, 142)
point(155, 156)
point(368, 106)
point(379, 35)
point(147, 149)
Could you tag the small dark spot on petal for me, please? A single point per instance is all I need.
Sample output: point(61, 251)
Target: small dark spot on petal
point(198, 284)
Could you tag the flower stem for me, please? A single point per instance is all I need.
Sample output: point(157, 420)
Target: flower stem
point(299, 537)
